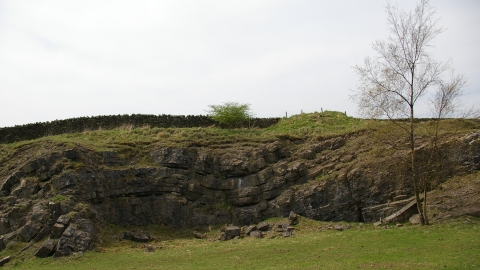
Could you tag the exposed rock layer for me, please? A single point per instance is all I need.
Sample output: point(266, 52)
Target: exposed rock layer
point(65, 192)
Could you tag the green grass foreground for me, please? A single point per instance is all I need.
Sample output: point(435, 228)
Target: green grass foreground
point(448, 245)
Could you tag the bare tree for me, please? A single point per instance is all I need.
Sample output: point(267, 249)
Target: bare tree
point(444, 103)
point(403, 71)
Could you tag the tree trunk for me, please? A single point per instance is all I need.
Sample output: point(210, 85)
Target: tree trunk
point(425, 216)
point(416, 187)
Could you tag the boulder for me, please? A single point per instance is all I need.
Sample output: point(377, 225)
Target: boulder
point(199, 235)
point(293, 218)
point(250, 229)
point(46, 249)
point(338, 227)
point(263, 226)
point(232, 232)
point(141, 237)
point(77, 237)
point(256, 234)
point(127, 235)
point(282, 226)
point(415, 219)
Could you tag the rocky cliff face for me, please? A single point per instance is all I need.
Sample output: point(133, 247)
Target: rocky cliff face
point(65, 192)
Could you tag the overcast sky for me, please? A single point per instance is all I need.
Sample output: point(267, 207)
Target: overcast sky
point(63, 59)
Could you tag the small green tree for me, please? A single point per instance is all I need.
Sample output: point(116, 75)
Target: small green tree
point(230, 113)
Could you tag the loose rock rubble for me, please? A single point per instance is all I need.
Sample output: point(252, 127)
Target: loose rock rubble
point(260, 230)
point(141, 237)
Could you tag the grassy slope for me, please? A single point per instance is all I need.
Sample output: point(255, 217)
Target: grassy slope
point(313, 126)
point(326, 124)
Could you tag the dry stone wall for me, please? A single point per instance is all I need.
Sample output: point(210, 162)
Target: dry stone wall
point(76, 125)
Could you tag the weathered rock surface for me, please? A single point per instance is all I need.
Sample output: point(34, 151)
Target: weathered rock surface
point(282, 226)
point(2, 243)
point(199, 235)
point(263, 226)
point(5, 260)
point(127, 236)
point(415, 219)
point(250, 229)
point(64, 220)
point(29, 231)
point(57, 231)
point(46, 249)
point(141, 237)
point(62, 191)
point(293, 218)
point(256, 234)
point(77, 237)
point(232, 232)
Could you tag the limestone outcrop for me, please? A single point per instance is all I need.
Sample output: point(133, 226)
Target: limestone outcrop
point(61, 196)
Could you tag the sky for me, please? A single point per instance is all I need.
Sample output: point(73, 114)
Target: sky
point(63, 59)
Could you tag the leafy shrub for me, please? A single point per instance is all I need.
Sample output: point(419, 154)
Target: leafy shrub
point(230, 112)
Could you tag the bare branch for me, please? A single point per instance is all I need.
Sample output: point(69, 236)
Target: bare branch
point(403, 72)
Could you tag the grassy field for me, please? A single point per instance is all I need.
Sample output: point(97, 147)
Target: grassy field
point(449, 245)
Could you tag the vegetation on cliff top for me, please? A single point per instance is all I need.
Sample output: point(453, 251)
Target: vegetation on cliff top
point(298, 126)
point(308, 126)
point(230, 112)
